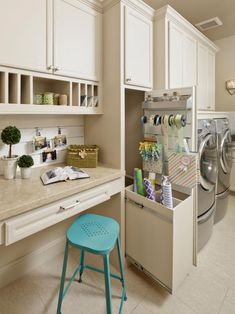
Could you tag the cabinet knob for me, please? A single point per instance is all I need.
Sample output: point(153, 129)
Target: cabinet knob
point(56, 69)
point(50, 67)
point(128, 79)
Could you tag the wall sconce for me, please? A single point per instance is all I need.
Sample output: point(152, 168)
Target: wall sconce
point(230, 86)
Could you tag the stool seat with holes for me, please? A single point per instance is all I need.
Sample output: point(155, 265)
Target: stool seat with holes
point(98, 235)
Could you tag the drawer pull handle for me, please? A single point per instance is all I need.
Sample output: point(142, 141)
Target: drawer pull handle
point(62, 208)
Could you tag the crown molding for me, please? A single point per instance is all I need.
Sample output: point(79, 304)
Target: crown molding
point(137, 5)
point(171, 14)
point(94, 4)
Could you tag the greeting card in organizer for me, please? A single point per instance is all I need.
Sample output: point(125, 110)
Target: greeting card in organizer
point(183, 169)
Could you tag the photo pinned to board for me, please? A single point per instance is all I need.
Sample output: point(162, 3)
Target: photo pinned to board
point(49, 156)
point(60, 139)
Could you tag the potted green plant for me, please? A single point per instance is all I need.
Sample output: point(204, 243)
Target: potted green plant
point(10, 136)
point(25, 163)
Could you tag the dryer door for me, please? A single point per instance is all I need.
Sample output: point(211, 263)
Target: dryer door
point(226, 153)
point(208, 163)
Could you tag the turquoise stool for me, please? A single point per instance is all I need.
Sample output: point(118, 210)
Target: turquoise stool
point(98, 235)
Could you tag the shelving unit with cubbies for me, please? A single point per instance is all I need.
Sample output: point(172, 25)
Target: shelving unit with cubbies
point(18, 89)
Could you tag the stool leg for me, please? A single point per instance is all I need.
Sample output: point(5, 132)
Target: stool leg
point(121, 267)
point(63, 278)
point(82, 253)
point(107, 284)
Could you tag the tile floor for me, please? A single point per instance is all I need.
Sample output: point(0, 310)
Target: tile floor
point(210, 288)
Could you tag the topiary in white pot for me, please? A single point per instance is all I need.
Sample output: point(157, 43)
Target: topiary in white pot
point(10, 136)
point(25, 163)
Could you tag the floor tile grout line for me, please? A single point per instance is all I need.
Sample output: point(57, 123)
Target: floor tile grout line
point(222, 302)
point(179, 299)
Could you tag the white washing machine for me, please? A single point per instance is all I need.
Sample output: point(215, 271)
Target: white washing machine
point(208, 163)
point(224, 151)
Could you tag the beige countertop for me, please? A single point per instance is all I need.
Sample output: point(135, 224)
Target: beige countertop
point(18, 196)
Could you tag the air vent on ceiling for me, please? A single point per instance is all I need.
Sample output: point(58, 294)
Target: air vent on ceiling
point(208, 24)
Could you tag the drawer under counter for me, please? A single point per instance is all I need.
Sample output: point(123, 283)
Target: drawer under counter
point(24, 225)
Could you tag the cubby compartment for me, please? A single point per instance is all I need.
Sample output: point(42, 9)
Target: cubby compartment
point(25, 89)
point(35, 93)
point(89, 95)
point(45, 85)
point(159, 240)
point(13, 88)
point(2, 87)
point(83, 95)
point(75, 94)
point(96, 96)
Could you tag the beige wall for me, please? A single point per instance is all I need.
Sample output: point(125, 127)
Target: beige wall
point(225, 70)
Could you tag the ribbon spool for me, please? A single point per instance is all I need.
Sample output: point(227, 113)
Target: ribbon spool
point(183, 120)
point(144, 119)
point(177, 121)
point(171, 120)
point(156, 120)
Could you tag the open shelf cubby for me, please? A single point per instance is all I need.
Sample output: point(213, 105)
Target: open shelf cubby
point(13, 88)
point(2, 87)
point(27, 89)
point(25, 96)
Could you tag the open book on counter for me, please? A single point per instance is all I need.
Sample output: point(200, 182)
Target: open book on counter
point(62, 174)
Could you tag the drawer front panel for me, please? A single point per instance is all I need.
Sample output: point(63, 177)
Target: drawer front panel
point(29, 223)
point(149, 240)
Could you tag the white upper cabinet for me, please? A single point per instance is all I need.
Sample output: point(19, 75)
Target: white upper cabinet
point(25, 34)
point(56, 36)
point(138, 49)
point(211, 80)
point(176, 38)
point(202, 77)
point(189, 61)
point(182, 58)
point(77, 40)
point(206, 79)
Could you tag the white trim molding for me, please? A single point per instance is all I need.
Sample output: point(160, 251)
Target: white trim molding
point(171, 14)
point(137, 5)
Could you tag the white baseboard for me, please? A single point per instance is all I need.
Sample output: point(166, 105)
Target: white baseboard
point(24, 264)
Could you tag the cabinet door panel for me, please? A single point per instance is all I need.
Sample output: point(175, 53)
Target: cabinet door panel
point(176, 38)
point(189, 61)
point(211, 80)
point(202, 78)
point(77, 40)
point(25, 34)
point(138, 49)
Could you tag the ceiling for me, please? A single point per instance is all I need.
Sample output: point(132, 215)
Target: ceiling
point(196, 11)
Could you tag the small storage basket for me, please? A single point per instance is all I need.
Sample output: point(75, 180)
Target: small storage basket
point(82, 156)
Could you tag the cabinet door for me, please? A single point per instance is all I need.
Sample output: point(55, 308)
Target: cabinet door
point(211, 80)
point(77, 40)
point(25, 34)
point(138, 49)
point(176, 38)
point(202, 78)
point(189, 61)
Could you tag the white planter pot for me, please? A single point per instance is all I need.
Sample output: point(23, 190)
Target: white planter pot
point(9, 167)
point(26, 173)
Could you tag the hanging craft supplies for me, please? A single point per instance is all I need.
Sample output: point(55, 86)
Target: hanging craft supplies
point(150, 151)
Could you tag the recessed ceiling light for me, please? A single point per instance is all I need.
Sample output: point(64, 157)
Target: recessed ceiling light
point(208, 24)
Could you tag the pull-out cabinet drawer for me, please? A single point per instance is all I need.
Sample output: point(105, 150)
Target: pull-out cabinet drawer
point(158, 239)
point(26, 224)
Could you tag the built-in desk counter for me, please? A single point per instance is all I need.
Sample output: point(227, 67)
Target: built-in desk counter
point(27, 206)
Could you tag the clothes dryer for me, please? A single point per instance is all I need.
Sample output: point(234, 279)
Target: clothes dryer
point(224, 151)
point(208, 166)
